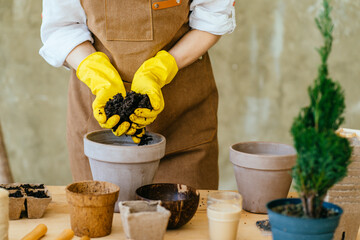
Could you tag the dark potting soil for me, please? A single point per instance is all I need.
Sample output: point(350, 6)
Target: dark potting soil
point(33, 186)
point(36, 194)
point(11, 188)
point(124, 107)
point(264, 225)
point(145, 140)
point(296, 210)
point(16, 194)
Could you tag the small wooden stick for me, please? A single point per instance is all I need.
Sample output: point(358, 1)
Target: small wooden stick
point(67, 234)
point(38, 232)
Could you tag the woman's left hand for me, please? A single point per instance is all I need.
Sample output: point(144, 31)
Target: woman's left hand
point(152, 75)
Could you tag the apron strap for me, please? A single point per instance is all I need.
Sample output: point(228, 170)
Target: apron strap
point(165, 4)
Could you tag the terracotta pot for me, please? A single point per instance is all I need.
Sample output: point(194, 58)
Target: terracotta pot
point(91, 207)
point(143, 220)
point(262, 171)
point(119, 160)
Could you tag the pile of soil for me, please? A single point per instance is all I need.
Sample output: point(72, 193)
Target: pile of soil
point(124, 107)
point(264, 225)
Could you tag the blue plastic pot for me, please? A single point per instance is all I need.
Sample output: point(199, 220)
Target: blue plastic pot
point(287, 227)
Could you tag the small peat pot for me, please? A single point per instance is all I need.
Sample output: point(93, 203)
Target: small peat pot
point(92, 207)
point(121, 161)
point(262, 172)
point(37, 201)
point(27, 200)
point(181, 200)
point(285, 227)
point(144, 220)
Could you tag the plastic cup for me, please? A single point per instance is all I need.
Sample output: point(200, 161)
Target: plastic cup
point(223, 211)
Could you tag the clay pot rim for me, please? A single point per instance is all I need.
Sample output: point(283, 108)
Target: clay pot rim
point(197, 193)
point(262, 155)
point(91, 194)
point(86, 138)
point(131, 205)
point(262, 162)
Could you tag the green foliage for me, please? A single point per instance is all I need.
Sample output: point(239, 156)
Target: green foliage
point(323, 156)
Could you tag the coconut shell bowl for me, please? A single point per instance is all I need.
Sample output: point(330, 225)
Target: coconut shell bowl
point(181, 200)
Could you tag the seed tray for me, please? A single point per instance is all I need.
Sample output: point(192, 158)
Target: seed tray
point(27, 200)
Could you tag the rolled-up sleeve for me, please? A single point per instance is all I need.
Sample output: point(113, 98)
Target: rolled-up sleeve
point(213, 16)
point(63, 28)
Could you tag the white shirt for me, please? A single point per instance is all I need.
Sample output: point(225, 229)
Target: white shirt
point(64, 24)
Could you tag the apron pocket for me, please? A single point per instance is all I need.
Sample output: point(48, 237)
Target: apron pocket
point(129, 20)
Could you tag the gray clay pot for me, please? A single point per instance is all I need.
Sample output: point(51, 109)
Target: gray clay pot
point(144, 220)
point(262, 171)
point(120, 161)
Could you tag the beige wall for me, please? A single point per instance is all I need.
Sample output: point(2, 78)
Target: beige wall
point(262, 71)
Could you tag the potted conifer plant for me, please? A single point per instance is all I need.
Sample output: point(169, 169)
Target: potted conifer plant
point(322, 158)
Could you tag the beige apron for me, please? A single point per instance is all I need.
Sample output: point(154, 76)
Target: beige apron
point(130, 32)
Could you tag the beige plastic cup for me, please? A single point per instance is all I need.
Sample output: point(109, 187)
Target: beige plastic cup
point(223, 211)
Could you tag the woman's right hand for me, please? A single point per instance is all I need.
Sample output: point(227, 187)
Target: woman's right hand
point(97, 72)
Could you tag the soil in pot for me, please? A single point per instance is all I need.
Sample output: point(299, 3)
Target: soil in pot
point(16, 194)
point(296, 210)
point(285, 227)
point(33, 186)
point(11, 188)
point(124, 107)
point(36, 194)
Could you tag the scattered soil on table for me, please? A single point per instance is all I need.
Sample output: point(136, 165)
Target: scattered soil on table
point(264, 225)
point(16, 194)
point(296, 210)
point(36, 194)
point(124, 107)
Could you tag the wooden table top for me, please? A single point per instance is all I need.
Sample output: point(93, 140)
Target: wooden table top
point(57, 218)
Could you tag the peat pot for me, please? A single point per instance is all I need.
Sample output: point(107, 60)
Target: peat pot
point(181, 200)
point(91, 207)
point(295, 228)
point(144, 220)
point(262, 172)
point(121, 161)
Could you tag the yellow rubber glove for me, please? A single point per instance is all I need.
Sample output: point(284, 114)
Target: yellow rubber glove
point(136, 133)
point(97, 72)
point(152, 75)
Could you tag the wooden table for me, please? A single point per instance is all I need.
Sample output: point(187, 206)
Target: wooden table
point(57, 219)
